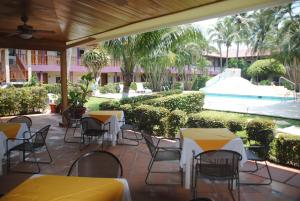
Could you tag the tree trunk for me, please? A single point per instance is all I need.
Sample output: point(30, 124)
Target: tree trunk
point(227, 48)
point(221, 62)
point(237, 53)
point(127, 83)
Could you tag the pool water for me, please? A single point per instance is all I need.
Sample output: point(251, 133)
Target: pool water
point(249, 97)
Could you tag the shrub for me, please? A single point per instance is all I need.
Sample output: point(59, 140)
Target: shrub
point(175, 120)
point(149, 118)
point(109, 105)
point(139, 99)
point(109, 88)
point(212, 119)
point(254, 126)
point(200, 82)
point(266, 68)
point(52, 88)
point(26, 100)
point(133, 86)
point(287, 150)
point(192, 102)
point(177, 86)
point(129, 114)
point(265, 82)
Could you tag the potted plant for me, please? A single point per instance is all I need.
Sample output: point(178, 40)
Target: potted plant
point(78, 95)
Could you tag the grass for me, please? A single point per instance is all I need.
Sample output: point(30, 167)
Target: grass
point(93, 103)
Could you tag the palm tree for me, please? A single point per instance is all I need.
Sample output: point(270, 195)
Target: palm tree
point(129, 49)
point(217, 37)
point(95, 59)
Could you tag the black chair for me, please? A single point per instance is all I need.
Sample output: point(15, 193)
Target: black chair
point(92, 127)
point(97, 164)
point(258, 151)
point(72, 123)
point(133, 129)
point(217, 165)
point(35, 142)
point(159, 153)
point(22, 119)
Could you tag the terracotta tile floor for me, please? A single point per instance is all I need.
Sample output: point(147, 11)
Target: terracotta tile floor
point(135, 161)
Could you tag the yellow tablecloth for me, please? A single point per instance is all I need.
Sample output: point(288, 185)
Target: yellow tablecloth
point(104, 115)
point(10, 129)
point(59, 188)
point(209, 138)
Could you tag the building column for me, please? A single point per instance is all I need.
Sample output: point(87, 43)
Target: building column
point(29, 69)
point(6, 64)
point(63, 81)
point(69, 62)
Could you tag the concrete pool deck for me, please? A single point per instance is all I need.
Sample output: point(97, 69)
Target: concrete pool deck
point(284, 109)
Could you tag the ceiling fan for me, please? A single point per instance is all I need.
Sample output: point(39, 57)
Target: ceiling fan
point(25, 31)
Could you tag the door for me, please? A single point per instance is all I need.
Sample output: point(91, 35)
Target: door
point(103, 79)
point(45, 78)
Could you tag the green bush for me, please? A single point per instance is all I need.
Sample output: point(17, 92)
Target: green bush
point(255, 126)
point(200, 82)
point(266, 68)
point(52, 88)
point(212, 119)
point(149, 118)
point(109, 105)
point(192, 102)
point(133, 86)
point(139, 99)
point(286, 150)
point(177, 86)
point(129, 114)
point(109, 88)
point(175, 120)
point(25, 100)
point(265, 82)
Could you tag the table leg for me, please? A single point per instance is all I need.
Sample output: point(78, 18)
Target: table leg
point(187, 180)
point(1, 167)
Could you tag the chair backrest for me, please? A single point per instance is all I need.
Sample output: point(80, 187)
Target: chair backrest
point(217, 164)
point(68, 114)
point(149, 142)
point(22, 119)
point(91, 123)
point(97, 164)
point(41, 135)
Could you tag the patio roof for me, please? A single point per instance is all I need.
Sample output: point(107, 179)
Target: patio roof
point(79, 22)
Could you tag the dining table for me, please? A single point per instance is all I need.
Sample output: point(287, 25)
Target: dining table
point(11, 130)
point(115, 118)
point(66, 188)
point(198, 140)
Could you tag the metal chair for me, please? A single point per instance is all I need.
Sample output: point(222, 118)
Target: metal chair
point(35, 142)
point(159, 153)
point(22, 119)
point(259, 152)
point(97, 164)
point(72, 123)
point(217, 165)
point(92, 127)
point(131, 128)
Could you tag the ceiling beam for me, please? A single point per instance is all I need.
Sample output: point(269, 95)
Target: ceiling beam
point(32, 44)
point(213, 10)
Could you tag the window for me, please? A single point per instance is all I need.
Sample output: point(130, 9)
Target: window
point(57, 79)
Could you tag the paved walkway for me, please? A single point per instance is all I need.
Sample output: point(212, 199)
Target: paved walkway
point(286, 184)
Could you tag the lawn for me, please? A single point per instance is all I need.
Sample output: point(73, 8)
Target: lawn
point(93, 103)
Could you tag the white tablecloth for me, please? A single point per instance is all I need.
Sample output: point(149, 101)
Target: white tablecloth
point(115, 124)
point(11, 144)
point(187, 154)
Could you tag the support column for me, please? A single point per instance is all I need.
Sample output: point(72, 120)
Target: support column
point(29, 69)
point(69, 62)
point(6, 64)
point(63, 80)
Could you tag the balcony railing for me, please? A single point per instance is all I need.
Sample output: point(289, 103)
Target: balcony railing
point(47, 60)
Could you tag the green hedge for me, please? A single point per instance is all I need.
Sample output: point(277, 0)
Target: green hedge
point(139, 99)
point(190, 103)
point(110, 88)
point(176, 119)
point(25, 100)
point(151, 118)
point(212, 119)
point(286, 150)
point(254, 126)
point(109, 105)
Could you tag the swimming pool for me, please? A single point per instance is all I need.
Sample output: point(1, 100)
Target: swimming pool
point(250, 97)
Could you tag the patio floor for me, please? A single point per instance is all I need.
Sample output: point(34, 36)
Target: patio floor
point(135, 160)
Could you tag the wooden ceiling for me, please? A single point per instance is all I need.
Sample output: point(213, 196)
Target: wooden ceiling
point(79, 21)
